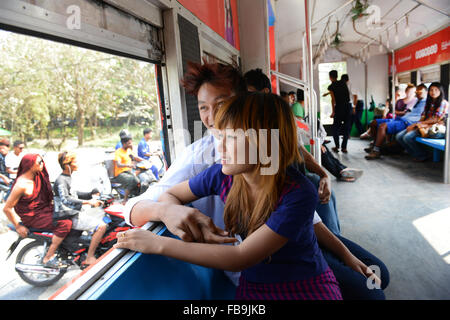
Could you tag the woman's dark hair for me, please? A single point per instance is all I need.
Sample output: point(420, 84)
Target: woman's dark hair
point(437, 102)
point(216, 74)
point(257, 79)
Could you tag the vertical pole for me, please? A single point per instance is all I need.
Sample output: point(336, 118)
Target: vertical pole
point(447, 154)
point(394, 69)
point(365, 94)
point(315, 145)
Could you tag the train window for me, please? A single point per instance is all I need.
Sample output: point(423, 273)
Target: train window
point(324, 82)
point(404, 77)
point(56, 97)
point(430, 74)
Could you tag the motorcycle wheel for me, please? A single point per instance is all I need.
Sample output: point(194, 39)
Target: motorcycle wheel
point(32, 253)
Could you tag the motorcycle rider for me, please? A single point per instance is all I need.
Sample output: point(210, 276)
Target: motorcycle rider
point(4, 176)
point(123, 165)
point(31, 200)
point(69, 201)
point(144, 151)
point(12, 160)
point(5, 180)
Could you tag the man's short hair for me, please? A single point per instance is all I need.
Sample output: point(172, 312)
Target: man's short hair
point(333, 74)
point(147, 130)
point(300, 95)
point(422, 86)
point(217, 74)
point(4, 142)
point(125, 139)
point(344, 77)
point(124, 133)
point(257, 79)
point(291, 92)
point(17, 143)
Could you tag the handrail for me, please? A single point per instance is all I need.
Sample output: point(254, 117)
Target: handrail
point(447, 153)
point(300, 84)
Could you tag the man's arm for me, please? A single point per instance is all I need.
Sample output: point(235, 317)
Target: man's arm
point(5, 179)
point(16, 193)
point(330, 242)
point(314, 167)
point(333, 103)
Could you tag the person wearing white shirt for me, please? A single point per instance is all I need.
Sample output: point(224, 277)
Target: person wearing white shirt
point(13, 158)
point(203, 221)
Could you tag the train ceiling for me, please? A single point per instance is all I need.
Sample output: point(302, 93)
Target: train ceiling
point(359, 25)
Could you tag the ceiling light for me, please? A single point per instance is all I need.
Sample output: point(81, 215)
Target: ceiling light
point(396, 33)
point(407, 30)
point(387, 38)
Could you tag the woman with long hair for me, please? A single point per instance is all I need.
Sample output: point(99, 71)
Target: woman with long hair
point(268, 202)
point(436, 107)
point(31, 199)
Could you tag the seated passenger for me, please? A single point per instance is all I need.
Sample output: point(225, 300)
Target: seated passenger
point(436, 108)
point(402, 106)
point(31, 199)
point(213, 84)
point(271, 206)
point(394, 126)
point(68, 200)
point(123, 165)
point(144, 151)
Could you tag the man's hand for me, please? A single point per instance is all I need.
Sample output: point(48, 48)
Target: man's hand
point(190, 225)
point(359, 266)
point(332, 115)
point(324, 189)
point(22, 230)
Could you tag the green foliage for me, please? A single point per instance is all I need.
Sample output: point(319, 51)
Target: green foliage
point(56, 91)
point(358, 10)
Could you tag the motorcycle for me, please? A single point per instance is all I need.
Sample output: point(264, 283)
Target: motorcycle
point(143, 172)
point(71, 252)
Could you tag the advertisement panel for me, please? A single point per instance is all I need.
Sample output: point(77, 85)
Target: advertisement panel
point(433, 49)
point(220, 15)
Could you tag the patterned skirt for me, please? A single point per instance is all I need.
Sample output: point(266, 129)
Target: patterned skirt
point(321, 287)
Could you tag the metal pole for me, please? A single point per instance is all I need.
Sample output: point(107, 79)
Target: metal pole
point(315, 146)
point(365, 95)
point(394, 69)
point(447, 154)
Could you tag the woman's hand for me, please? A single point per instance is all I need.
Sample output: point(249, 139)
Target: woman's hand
point(190, 225)
point(139, 240)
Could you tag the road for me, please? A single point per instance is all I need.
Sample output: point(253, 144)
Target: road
point(12, 287)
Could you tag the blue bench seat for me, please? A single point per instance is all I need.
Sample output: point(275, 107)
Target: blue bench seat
point(437, 145)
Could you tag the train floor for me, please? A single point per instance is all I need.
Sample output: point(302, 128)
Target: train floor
point(400, 211)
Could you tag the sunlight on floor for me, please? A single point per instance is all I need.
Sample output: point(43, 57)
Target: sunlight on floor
point(435, 228)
